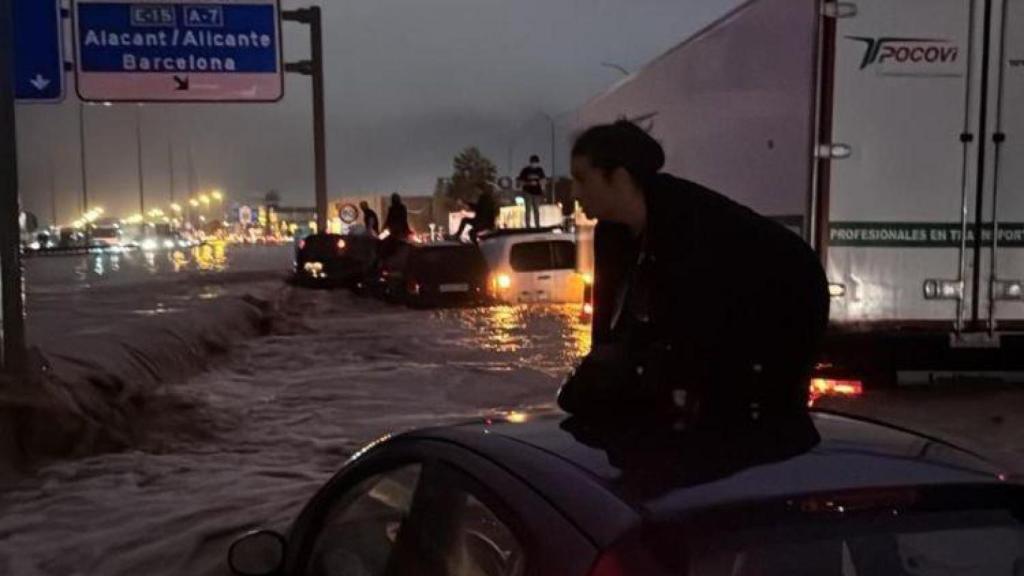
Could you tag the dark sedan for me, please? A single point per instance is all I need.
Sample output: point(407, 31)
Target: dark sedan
point(440, 274)
point(334, 259)
point(822, 495)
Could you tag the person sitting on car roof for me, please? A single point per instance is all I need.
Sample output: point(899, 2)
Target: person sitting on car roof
point(485, 214)
point(701, 306)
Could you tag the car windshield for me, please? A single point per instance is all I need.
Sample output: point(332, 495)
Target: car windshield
point(321, 244)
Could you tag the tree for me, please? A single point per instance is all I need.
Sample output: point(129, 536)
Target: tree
point(473, 173)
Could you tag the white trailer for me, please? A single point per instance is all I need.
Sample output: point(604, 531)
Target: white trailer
point(890, 135)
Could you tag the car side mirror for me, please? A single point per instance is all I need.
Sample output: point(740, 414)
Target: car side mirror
point(258, 553)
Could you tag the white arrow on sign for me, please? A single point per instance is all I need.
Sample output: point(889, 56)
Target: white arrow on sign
point(39, 82)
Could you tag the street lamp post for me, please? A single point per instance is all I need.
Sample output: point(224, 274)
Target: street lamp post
point(81, 148)
point(138, 152)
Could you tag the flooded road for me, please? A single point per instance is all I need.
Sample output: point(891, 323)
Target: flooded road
point(96, 293)
point(247, 443)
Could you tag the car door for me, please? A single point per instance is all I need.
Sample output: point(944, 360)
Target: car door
point(531, 262)
point(481, 520)
point(356, 523)
point(567, 284)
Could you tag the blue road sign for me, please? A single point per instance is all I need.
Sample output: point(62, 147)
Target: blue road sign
point(197, 50)
point(38, 51)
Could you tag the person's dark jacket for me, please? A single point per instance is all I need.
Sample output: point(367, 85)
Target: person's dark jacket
point(724, 300)
point(397, 223)
point(485, 211)
point(371, 221)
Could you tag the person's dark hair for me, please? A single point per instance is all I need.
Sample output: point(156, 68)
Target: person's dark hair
point(396, 199)
point(621, 145)
point(534, 158)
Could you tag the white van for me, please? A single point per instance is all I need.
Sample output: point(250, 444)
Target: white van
point(532, 266)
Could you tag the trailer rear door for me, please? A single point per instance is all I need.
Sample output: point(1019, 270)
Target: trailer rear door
point(903, 109)
point(1003, 201)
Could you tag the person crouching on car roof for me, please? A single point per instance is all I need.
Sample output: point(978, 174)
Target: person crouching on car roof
point(702, 308)
point(485, 214)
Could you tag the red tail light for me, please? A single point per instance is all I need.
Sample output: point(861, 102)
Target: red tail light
point(608, 565)
point(302, 244)
point(831, 387)
point(341, 244)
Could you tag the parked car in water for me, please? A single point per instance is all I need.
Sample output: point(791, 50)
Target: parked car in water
point(439, 274)
point(820, 494)
point(334, 259)
point(532, 266)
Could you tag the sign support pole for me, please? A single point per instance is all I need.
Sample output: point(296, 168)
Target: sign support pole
point(13, 304)
point(315, 69)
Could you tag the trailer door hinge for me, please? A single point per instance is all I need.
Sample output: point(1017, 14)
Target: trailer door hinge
point(833, 151)
point(839, 10)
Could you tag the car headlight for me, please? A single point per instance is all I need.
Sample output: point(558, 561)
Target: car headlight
point(149, 244)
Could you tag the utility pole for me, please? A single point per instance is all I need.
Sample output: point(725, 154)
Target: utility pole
point(138, 154)
point(170, 170)
point(81, 148)
point(11, 292)
point(53, 193)
point(314, 67)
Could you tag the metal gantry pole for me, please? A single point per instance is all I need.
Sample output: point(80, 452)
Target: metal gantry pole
point(11, 291)
point(314, 67)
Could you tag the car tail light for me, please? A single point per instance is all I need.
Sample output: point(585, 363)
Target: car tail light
point(413, 287)
point(630, 556)
point(608, 564)
point(302, 244)
point(821, 387)
point(341, 244)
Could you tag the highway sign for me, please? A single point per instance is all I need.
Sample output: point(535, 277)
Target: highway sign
point(174, 51)
point(38, 51)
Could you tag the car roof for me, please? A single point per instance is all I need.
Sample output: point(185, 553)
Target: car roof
point(678, 472)
point(445, 245)
point(516, 235)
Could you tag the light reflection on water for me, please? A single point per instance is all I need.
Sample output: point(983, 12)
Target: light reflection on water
point(547, 337)
point(211, 257)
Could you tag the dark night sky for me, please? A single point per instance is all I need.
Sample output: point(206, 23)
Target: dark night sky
point(409, 83)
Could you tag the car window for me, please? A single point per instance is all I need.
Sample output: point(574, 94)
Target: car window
point(546, 255)
point(460, 262)
point(563, 255)
point(481, 543)
point(360, 531)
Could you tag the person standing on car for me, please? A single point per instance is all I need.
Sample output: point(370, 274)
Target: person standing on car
point(531, 180)
point(702, 308)
point(396, 228)
point(485, 214)
point(370, 219)
point(397, 223)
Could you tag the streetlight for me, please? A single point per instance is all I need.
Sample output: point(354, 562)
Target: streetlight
point(205, 199)
point(615, 66)
point(217, 195)
point(193, 202)
point(176, 208)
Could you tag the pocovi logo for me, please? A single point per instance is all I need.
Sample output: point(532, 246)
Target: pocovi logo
point(923, 54)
